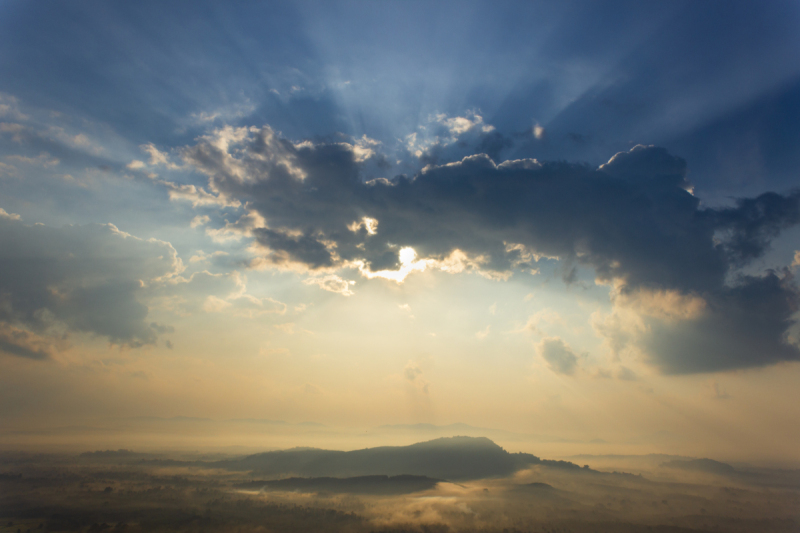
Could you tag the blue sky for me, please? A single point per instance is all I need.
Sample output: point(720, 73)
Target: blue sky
point(212, 178)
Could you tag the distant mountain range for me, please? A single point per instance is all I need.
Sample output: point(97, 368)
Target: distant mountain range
point(446, 458)
point(450, 458)
point(702, 465)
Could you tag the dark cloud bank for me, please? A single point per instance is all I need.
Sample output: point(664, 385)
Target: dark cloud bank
point(88, 279)
point(633, 220)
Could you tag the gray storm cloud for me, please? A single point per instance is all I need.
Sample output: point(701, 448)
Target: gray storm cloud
point(558, 356)
point(86, 279)
point(633, 220)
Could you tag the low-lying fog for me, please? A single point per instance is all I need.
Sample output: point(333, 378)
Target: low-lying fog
point(392, 489)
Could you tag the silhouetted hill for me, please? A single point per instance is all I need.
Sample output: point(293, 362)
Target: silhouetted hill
point(383, 485)
point(702, 465)
point(453, 458)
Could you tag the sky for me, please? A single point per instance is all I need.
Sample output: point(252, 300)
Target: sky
point(575, 222)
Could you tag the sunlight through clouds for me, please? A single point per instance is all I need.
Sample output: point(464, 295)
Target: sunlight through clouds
point(568, 228)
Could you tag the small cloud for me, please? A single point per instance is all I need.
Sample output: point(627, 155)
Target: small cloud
point(363, 148)
point(493, 309)
point(538, 132)
point(196, 195)
point(22, 343)
point(717, 391)
point(135, 164)
point(558, 356)
point(484, 333)
point(459, 125)
point(43, 159)
point(215, 305)
point(157, 157)
point(202, 257)
point(626, 374)
point(407, 309)
point(199, 220)
point(7, 170)
point(233, 231)
point(9, 107)
point(603, 373)
point(226, 113)
point(796, 260)
point(413, 374)
point(369, 224)
point(10, 216)
point(332, 283)
point(544, 316)
point(412, 371)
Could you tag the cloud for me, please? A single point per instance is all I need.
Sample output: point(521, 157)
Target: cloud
point(447, 138)
point(742, 325)
point(290, 247)
point(243, 227)
point(7, 170)
point(157, 157)
point(364, 148)
point(746, 325)
point(196, 195)
point(9, 107)
point(211, 293)
point(558, 356)
point(8, 216)
point(457, 126)
point(413, 374)
point(633, 221)
point(215, 304)
point(202, 257)
point(718, 391)
point(199, 220)
point(22, 343)
point(412, 371)
point(626, 374)
point(43, 159)
point(332, 283)
point(543, 316)
point(91, 279)
point(370, 225)
point(407, 309)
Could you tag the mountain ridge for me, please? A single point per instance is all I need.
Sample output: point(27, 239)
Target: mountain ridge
point(453, 458)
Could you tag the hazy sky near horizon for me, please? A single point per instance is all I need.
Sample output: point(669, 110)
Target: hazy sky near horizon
point(574, 218)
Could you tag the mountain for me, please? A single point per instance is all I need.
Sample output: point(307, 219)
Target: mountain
point(453, 458)
point(709, 466)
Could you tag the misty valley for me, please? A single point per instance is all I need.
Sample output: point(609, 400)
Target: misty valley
point(399, 266)
point(443, 485)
